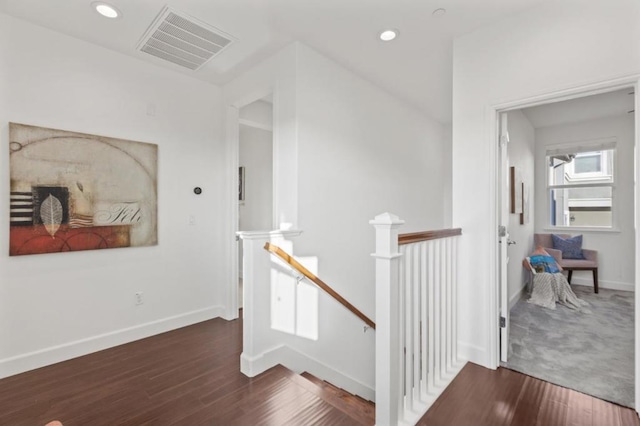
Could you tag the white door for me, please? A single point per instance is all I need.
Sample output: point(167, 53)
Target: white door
point(503, 236)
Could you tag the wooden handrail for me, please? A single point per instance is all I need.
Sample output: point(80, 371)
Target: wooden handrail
point(317, 281)
point(416, 237)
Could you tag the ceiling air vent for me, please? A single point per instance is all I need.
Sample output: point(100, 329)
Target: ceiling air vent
point(181, 39)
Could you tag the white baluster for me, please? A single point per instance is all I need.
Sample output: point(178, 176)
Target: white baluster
point(432, 317)
point(415, 284)
point(454, 308)
point(449, 305)
point(424, 290)
point(442, 303)
point(408, 336)
point(437, 314)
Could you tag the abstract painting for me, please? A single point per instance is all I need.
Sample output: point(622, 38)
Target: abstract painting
point(74, 191)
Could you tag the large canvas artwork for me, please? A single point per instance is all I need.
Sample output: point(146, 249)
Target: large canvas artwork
point(73, 191)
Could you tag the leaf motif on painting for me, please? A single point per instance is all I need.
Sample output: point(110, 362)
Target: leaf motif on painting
point(51, 214)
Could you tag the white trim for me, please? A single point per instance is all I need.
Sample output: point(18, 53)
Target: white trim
point(474, 353)
point(580, 146)
point(255, 124)
point(298, 363)
point(521, 294)
point(594, 229)
point(637, 232)
point(278, 233)
point(51, 355)
point(611, 285)
point(233, 122)
point(233, 138)
point(589, 202)
point(582, 185)
point(571, 92)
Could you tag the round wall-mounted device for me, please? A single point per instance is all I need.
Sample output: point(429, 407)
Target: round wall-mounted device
point(197, 190)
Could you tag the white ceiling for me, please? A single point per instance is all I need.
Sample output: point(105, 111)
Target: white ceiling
point(587, 108)
point(416, 67)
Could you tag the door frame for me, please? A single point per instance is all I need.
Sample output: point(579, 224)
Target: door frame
point(492, 123)
point(232, 137)
point(503, 197)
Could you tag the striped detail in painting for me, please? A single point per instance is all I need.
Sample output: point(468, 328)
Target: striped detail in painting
point(80, 221)
point(21, 209)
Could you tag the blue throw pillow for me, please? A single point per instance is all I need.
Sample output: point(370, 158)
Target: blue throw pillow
point(544, 263)
point(571, 248)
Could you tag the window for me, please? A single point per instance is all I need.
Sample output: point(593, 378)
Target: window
point(588, 162)
point(581, 185)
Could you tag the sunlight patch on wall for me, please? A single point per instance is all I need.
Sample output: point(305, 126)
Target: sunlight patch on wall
point(294, 304)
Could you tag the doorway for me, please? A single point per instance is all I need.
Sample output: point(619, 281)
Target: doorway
point(569, 169)
point(255, 173)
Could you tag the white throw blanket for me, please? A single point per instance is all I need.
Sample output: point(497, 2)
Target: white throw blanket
point(551, 288)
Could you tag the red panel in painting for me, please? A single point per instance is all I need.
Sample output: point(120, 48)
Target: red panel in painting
point(36, 239)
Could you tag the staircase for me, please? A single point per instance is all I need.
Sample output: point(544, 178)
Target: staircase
point(305, 399)
point(416, 344)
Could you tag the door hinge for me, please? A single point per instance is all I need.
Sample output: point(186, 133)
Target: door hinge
point(503, 322)
point(502, 231)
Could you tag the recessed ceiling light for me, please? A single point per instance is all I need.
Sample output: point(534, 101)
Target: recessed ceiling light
point(106, 10)
point(388, 35)
point(439, 12)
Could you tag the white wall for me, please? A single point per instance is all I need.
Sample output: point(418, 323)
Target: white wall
point(357, 153)
point(447, 161)
point(558, 45)
point(361, 153)
point(616, 250)
point(256, 156)
point(256, 212)
point(276, 75)
point(257, 114)
point(521, 150)
point(55, 306)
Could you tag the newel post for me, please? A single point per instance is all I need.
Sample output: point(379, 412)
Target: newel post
point(388, 374)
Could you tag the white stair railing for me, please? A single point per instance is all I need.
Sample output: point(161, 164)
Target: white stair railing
point(416, 318)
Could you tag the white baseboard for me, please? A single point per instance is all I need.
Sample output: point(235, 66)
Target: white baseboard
point(298, 363)
point(516, 297)
point(473, 353)
point(412, 417)
point(611, 285)
point(54, 354)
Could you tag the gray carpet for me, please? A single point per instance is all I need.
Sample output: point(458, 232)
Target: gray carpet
point(591, 352)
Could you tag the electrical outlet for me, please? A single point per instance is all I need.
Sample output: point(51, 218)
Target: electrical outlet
point(138, 298)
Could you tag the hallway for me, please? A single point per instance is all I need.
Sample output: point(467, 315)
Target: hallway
point(192, 376)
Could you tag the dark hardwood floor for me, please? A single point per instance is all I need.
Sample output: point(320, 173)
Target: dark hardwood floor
point(191, 376)
point(482, 397)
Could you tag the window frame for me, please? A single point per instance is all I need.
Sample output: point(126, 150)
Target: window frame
point(604, 178)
